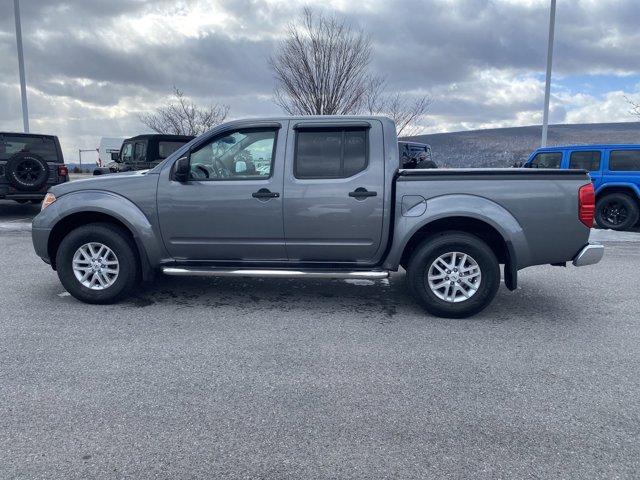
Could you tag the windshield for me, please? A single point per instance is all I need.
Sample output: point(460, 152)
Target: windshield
point(45, 147)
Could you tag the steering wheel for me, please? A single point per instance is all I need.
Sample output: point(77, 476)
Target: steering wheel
point(200, 172)
point(221, 169)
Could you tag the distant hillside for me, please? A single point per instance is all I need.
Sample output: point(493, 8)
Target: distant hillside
point(501, 147)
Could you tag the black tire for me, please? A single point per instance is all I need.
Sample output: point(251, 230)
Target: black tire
point(426, 254)
point(27, 172)
point(122, 246)
point(617, 211)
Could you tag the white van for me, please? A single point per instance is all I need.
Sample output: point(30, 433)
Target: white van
point(109, 150)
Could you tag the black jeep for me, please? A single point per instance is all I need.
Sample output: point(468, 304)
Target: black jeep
point(143, 152)
point(415, 155)
point(29, 165)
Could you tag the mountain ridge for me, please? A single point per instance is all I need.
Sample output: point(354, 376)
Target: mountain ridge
point(502, 147)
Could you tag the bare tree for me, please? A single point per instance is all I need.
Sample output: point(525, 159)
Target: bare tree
point(635, 107)
point(406, 112)
point(322, 68)
point(181, 116)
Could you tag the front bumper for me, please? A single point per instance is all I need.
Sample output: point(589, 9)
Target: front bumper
point(40, 239)
point(589, 255)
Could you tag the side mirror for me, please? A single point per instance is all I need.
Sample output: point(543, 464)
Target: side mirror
point(115, 156)
point(181, 169)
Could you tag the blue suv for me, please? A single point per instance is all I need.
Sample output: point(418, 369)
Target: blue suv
point(614, 171)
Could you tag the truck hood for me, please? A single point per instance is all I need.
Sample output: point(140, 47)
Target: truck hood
point(115, 182)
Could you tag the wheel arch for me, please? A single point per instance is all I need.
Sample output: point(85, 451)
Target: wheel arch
point(83, 208)
point(625, 188)
point(465, 213)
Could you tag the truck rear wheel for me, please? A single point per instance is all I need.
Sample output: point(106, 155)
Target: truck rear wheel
point(97, 263)
point(617, 211)
point(453, 275)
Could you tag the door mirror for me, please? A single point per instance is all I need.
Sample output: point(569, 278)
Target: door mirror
point(115, 156)
point(181, 169)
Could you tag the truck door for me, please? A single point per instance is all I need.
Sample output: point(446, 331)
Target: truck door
point(230, 209)
point(334, 191)
point(589, 160)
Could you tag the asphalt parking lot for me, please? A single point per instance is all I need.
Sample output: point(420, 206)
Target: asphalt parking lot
point(272, 379)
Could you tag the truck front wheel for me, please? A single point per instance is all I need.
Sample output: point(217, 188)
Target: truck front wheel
point(97, 263)
point(453, 275)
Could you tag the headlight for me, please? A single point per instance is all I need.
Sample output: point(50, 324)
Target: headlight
point(49, 198)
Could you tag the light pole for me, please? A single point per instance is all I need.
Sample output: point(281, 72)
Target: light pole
point(23, 82)
point(547, 87)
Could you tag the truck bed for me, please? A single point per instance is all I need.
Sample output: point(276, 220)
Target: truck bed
point(536, 209)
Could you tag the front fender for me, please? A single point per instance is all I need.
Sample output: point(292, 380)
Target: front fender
point(120, 208)
point(460, 205)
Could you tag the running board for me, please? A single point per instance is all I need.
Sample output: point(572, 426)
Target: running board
point(276, 273)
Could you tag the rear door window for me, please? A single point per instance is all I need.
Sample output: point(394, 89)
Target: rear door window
point(546, 160)
point(589, 161)
point(328, 153)
point(624, 160)
point(44, 147)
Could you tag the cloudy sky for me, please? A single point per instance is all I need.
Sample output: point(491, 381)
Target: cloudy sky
point(94, 65)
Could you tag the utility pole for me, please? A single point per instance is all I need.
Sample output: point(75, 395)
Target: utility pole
point(23, 81)
point(547, 88)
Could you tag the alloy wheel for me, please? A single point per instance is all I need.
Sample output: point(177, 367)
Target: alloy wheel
point(454, 277)
point(95, 266)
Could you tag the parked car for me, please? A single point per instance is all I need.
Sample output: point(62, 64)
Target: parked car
point(109, 150)
point(331, 203)
point(415, 155)
point(614, 171)
point(29, 165)
point(143, 152)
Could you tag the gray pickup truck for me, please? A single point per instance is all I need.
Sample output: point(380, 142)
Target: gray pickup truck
point(315, 197)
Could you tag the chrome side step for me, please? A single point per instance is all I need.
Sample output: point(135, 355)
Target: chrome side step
point(277, 273)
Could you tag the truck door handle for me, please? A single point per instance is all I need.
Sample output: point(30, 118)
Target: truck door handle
point(362, 193)
point(265, 193)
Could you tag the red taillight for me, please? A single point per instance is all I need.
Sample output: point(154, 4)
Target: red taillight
point(586, 204)
point(63, 171)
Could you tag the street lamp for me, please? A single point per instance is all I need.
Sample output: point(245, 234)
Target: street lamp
point(547, 87)
point(23, 82)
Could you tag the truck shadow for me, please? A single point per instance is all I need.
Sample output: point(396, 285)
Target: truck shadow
point(10, 210)
point(381, 301)
point(283, 295)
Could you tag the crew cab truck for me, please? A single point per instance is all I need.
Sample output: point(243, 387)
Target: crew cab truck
point(314, 197)
point(614, 171)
